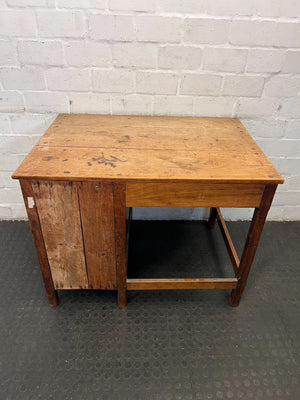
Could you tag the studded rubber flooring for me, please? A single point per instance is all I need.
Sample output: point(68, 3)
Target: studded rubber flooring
point(165, 344)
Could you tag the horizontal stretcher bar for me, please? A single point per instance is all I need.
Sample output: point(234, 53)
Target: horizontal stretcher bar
point(205, 283)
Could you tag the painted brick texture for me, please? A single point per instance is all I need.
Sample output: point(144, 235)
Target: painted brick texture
point(152, 57)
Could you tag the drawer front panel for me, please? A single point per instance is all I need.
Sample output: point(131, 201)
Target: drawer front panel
point(193, 195)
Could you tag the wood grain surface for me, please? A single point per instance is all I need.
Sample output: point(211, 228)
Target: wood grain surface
point(58, 210)
point(148, 149)
point(97, 217)
point(193, 194)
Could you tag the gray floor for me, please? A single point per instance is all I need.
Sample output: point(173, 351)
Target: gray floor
point(165, 344)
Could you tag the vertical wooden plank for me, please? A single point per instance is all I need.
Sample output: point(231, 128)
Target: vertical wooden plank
point(38, 241)
point(97, 217)
point(255, 230)
point(119, 190)
point(58, 210)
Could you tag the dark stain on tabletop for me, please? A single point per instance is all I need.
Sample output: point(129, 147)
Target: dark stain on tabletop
point(111, 160)
point(67, 172)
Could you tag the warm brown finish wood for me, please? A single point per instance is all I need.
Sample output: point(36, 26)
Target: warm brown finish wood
point(58, 210)
point(97, 218)
point(158, 284)
point(228, 242)
point(255, 230)
point(38, 241)
point(148, 149)
point(86, 169)
point(212, 217)
point(193, 194)
point(119, 192)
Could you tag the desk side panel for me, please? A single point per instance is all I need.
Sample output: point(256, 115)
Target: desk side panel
point(97, 216)
point(58, 210)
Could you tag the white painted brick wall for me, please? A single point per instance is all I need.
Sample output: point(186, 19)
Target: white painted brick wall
point(152, 57)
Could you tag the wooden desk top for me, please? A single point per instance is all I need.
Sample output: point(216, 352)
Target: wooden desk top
point(147, 149)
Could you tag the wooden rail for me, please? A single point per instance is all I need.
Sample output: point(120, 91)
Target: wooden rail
point(228, 242)
point(205, 283)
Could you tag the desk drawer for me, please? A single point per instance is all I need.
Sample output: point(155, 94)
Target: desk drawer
point(193, 194)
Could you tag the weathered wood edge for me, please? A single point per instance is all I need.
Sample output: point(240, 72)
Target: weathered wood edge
point(35, 226)
point(119, 198)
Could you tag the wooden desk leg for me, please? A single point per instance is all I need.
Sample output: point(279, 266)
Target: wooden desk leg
point(35, 226)
point(255, 230)
point(212, 217)
point(119, 190)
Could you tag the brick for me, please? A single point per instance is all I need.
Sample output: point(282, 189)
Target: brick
point(13, 144)
point(10, 162)
point(206, 30)
point(290, 108)
point(5, 126)
point(261, 60)
point(113, 81)
point(8, 53)
point(203, 85)
point(222, 59)
point(173, 105)
point(253, 33)
point(6, 181)
point(87, 54)
point(11, 196)
point(182, 6)
point(243, 85)
point(288, 34)
point(31, 124)
point(5, 212)
point(132, 104)
point(275, 213)
point(19, 212)
point(86, 4)
point(293, 183)
point(53, 23)
point(111, 27)
point(24, 78)
point(267, 8)
point(28, 3)
point(292, 62)
point(158, 29)
point(280, 147)
point(282, 86)
point(17, 23)
point(286, 166)
point(179, 57)
point(156, 82)
point(11, 102)
point(291, 213)
point(268, 128)
point(132, 5)
point(290, 8)
point(287, 198)
point(248, 107)
point(40, 52)
point(214, 106)
point(68, 79)
point(237, 214)
point(229, 7)
point(89, 103)
point(141, 55)
point(46, 102)
point(293, 129)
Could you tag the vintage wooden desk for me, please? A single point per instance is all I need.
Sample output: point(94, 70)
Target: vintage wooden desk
point(85, 173)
